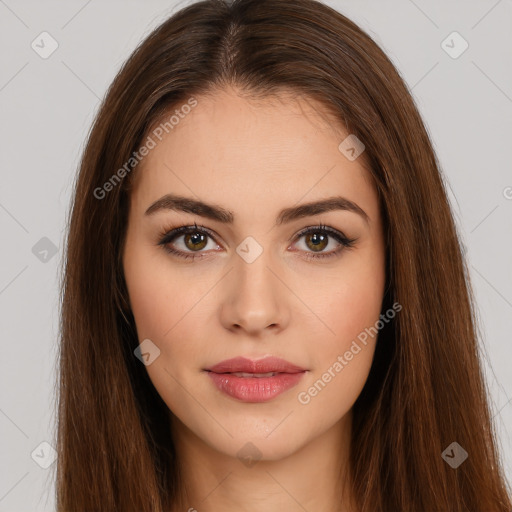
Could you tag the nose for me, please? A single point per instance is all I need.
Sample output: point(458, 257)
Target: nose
point(255, 300)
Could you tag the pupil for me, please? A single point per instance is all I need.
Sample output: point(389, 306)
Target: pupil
point(318, 240)
point(196, 238)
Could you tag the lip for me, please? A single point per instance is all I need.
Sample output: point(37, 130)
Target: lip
point(255, 389)
point(264, 365)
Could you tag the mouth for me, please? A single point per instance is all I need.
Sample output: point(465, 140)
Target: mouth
point(255, 367)
point(256, 375)
point(262, 380)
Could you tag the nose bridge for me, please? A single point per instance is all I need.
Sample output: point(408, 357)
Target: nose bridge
point(253, 274)
point(254, 299)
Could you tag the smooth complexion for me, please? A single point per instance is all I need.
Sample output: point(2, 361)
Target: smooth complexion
point(255, 159)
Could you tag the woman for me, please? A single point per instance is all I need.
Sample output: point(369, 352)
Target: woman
point(265, 304)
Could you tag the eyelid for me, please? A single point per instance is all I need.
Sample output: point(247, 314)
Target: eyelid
point(343, 241)
point(167, 235)
point(170, 234)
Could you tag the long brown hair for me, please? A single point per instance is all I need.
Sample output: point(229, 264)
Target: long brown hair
point(425, 389)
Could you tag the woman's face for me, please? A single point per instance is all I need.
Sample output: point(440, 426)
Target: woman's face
point(249, 172)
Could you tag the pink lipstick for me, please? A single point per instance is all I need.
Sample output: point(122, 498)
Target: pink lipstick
point(255, 381)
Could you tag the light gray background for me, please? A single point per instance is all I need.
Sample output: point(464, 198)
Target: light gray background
point(47, 106)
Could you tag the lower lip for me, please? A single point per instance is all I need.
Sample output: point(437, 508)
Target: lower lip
point(255, 389)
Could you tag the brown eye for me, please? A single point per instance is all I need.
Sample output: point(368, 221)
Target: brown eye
point(195, 241)
point(317, 238)
point(189, 242)
point(317, 242)
point(186, 241)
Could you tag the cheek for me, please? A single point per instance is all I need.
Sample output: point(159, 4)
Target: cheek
point(167, 318)
point(161, 300)
point(151, 304)
point(168, 310)
point(350, 308)
point(343, 356)
point(351, 303)
point(331, 392)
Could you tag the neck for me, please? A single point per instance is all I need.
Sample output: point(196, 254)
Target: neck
point(313, 477)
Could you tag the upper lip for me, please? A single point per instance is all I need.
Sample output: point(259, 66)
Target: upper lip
point(265, 365)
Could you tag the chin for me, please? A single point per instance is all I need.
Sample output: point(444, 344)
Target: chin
point(249, 449)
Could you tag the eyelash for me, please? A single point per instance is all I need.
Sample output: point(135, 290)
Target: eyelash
point(167, 236)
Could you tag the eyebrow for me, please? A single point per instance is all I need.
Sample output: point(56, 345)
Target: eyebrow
point(214, 212)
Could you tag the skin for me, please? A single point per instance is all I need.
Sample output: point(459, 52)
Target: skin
point(255, 158)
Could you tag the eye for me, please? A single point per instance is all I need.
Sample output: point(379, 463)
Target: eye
point(316, 239)
point(195, 238)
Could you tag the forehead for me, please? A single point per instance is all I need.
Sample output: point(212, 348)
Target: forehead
point(243, 152)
